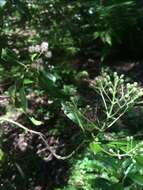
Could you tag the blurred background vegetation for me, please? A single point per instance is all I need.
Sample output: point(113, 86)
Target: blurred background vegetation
point(51, 54)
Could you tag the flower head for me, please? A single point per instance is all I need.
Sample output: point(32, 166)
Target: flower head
point(44, 46)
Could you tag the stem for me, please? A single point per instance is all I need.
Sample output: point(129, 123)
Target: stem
point(3, 119)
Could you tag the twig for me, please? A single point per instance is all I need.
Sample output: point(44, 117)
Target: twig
point(42, 138)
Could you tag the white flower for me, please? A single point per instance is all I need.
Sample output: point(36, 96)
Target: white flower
point(90, 11)
point(44, 46)
point(37, 48)
point(49, 54)
point(31, 49)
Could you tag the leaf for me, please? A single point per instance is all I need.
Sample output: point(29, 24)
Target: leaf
point(95, 147)
point(8, 55)
point(137, 179)
point(108, 39)
point(33, 56)
point(72, 114)
point(1, 154)
point(96, 35)
point(27, 81)
point(69, 90)
point(52, 77)
point(117, 187)
point(35, 121)
point(69, 113)
point(47, 82)
point(12, 93)
point(23, 99)
point(139, 160)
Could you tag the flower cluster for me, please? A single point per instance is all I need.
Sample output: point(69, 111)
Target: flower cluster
point(42, 49)
point(117, 96)
point(115, 85)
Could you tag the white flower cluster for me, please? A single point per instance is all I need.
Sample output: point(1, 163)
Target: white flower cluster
point(42, 48)
point(116, 86)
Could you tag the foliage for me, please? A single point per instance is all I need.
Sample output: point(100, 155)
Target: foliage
point(121, 154)
point(49, 52)
point(117, 98)
point(100, 24)
point(101, 172)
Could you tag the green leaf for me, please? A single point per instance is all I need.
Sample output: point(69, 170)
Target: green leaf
point(117, 187)
point(139, 160)
point(8, 55)
point(1, 154)
point(69, 113)
point(12, 93)
point(33, 56)
point(23, 99)
point(73, 114)
point(69, 90)
point(137, 179)
point(52, 77)
point(27, 81)
point(108, 39)
point(95, 147)
point(35, 121)
point(96, 35)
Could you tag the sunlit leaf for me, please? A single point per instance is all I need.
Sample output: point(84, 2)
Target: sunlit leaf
point(95, 147)
point(35, 121)
point(33, 56)
point(27, 81)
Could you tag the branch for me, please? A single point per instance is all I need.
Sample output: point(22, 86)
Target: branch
point(43, 138)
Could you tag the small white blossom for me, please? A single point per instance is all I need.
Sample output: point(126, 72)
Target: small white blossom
point(90, 11)
point(31, 49)
point(44, 46)
point(49, 54)
point(37, 49)
point(111, 150)
point(50, 101)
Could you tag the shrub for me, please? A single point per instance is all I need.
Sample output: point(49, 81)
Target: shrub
point(111, 160)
